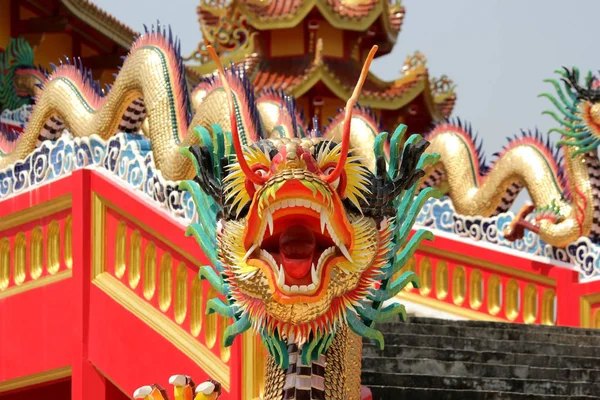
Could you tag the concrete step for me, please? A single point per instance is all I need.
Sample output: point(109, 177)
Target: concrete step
point(495, 325)
point(478, 344)
point(480, 356)
point(525, 386)
point(492, 332)
point(404, 393)
point(469, 369)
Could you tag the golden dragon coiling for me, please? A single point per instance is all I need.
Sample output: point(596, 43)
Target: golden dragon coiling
point(151, 79)
point(563, 185)
point(305, 230)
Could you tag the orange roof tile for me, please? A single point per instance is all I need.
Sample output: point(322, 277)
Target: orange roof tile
point(289, 72)
point(101, 21)
point(277, 8)
point(353, 10)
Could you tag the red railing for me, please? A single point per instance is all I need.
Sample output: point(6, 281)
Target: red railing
point(476, 282)
point(128, 304)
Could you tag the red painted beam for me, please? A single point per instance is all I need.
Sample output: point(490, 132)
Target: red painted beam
point(37, 330)
point(131, 353)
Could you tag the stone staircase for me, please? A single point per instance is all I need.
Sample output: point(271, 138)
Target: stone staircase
point(436, 359)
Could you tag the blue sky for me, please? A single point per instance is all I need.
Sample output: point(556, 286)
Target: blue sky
point(498, 52)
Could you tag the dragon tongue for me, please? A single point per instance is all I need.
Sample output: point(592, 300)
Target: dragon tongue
point(296, 248)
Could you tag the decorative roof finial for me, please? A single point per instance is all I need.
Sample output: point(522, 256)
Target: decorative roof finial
point(318, 52)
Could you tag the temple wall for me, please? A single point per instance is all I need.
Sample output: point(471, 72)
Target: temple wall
point(287, 42)
point(333, 40)
point(330, 108)
point(52, 47)
point(4, 23)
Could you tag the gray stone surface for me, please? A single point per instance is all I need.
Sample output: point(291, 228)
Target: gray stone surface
point(427, 358)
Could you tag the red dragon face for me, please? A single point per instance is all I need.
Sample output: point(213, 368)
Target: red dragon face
point(299, 254)
point(294, 242)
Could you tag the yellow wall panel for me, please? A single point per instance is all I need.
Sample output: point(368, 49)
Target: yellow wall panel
point(4, 23)
point(26, 14)
point(333, 40)
point(52, 47)
point(87, 51)
point(287, 42)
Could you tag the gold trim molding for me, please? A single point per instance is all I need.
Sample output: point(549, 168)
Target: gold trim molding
point(100, 205)
point(448, 308)
point(30, 285)
point(586, 304)
point(187, 344)
point(35, 379)
point(464, 259)
point(36, 212)
point(253, 367)
point(98, 235)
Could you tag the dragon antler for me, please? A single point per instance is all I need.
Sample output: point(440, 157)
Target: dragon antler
point(348, 118)
point(571, 78)
point(237, 144)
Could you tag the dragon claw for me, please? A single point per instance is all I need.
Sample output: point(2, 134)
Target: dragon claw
point(183, 389)
point(179, 380)
point(516, 229)
point(150, 392)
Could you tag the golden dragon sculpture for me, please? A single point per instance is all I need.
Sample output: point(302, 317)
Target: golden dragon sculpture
point(306, 230)
point(564, 185)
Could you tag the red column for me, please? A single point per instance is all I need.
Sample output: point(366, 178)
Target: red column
point(236, 367)
point(87, 383)
point(568, 296)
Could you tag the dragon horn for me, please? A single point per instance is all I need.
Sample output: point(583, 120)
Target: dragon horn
point(234, 127)
point(348, 119)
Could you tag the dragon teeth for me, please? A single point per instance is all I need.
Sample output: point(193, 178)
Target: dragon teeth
point(270, 222)
point(316, 269)
point(249, 252)
point(280, 276)
point(299, 288)
point(344, 251)
point(324, 220)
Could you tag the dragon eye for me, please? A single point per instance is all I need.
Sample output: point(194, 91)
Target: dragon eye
point(261, 171)
point(328, 171)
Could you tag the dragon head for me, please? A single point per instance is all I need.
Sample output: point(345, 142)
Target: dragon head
point(308, 237)
point(300, 254)
point(579, 110)
point(19, 77)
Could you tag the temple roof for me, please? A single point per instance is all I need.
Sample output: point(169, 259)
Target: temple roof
point(278, 14)
point(102, 21)
point(298, 75)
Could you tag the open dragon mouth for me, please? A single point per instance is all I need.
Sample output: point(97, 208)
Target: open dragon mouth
point(298, 242)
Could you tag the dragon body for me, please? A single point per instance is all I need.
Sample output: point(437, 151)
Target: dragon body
point(306, 229)
point(563, 183)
